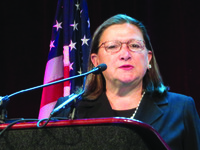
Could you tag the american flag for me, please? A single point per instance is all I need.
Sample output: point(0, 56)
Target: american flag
point(69, 52)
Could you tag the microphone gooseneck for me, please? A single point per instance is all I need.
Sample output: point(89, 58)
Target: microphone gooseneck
point(95, 70)
point(5, 99)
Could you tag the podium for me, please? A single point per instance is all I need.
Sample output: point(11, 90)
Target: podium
point(83, 134)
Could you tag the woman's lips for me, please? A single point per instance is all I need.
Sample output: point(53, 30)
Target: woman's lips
point(126, 67)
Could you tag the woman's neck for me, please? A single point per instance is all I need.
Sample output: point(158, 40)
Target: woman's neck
point(124, 98)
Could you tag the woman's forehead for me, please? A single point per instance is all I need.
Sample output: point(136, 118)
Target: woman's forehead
point(120, 32)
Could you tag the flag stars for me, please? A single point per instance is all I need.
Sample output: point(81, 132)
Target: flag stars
point(51, 44)
point(58, 25)
point(71, 66)
point(77, 6)
point(75, 25)
point(72, 45)
point(80, 71)
point(84, 40)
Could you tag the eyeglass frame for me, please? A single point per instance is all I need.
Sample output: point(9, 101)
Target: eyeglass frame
point(143, 46)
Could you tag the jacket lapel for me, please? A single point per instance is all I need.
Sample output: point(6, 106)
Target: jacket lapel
point(149, 111)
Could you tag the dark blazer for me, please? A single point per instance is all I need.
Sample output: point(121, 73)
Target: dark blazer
point(174, 116)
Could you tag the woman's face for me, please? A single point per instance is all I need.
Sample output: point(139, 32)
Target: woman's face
point(125, 66)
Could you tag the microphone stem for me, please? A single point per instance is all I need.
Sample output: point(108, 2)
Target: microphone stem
point(67, 103)
point(51, 83)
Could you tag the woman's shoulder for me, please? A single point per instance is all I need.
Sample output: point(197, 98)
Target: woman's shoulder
point(178, 97)
point(173, 98)
point(177, 100)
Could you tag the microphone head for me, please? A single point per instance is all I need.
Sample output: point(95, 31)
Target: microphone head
point(100, 68)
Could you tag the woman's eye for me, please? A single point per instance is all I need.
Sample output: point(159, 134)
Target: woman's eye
point(112, 46)
point(135, 46)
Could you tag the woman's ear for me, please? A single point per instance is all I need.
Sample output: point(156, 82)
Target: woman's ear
point(149, 59)
point(149, 56)
point(94, 59)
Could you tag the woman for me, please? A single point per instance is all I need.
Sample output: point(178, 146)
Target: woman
point(132, 86)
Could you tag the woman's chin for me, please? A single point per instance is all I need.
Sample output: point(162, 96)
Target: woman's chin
point(128, 81)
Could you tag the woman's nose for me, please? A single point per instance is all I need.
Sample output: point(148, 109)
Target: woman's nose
point(125, 53)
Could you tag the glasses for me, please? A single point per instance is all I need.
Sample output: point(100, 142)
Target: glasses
point(115, 46)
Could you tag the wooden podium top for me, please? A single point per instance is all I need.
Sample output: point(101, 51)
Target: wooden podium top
point(93, 121)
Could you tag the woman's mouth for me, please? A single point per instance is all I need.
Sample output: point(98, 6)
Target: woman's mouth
point(126, 67)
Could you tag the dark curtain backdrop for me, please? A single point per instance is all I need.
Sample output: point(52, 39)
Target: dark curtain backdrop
point(173, 25)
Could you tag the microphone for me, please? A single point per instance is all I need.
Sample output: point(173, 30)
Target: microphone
point(70, 99)
point(100, 68)
point(95, 70)
point(4, 100)
point(67, 103)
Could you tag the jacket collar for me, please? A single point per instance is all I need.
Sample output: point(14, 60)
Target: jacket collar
point(149, 110)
